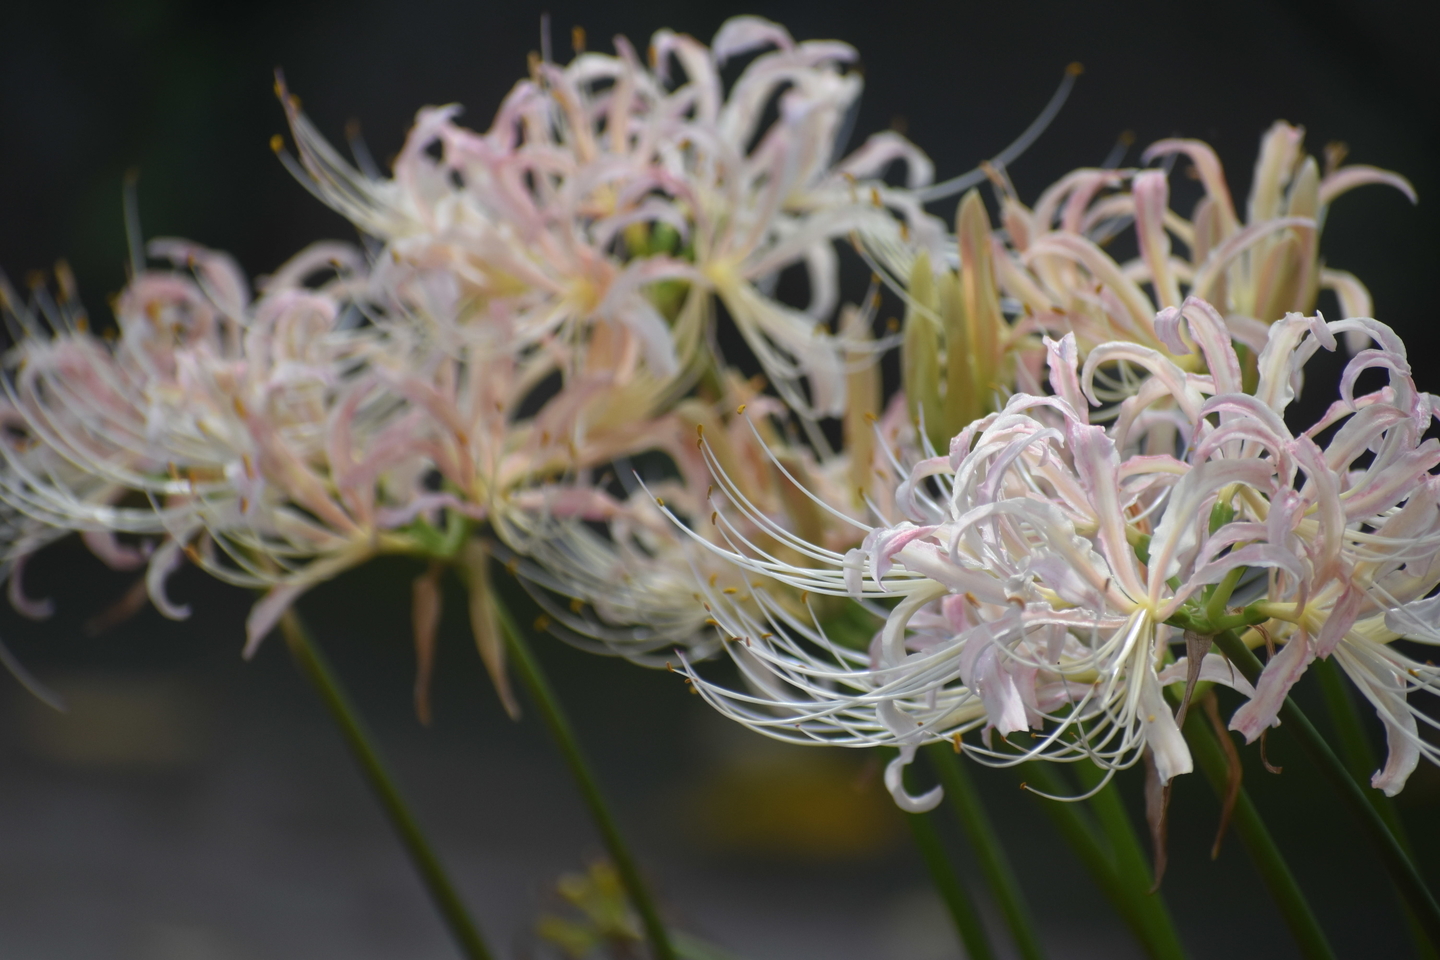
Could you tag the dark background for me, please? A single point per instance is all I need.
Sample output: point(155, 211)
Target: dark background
point(194, 806)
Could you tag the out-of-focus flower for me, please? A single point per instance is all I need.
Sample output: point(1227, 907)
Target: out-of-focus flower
point(1254, 270)
point(249, 436)
point(1369, 517)
point(1042, 571)
point(280, 441)
point(606, 192)
point(632, 577)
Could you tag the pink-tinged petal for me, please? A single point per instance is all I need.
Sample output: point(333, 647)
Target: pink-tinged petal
point(220, 276)
point(1151, 190)
point(1376, 677)
point(163, 562)
point(1282, 361)
point(1139, 312)
point(1359, 174)
point(1212, 175)
point(1214, 668)
point(1167, 329)
point(1354, 302)
point(1064, 359)
point(1058, 573)
point(1417, 620)
point(744, 34)
point(1404, 754)
point(893, 542)
point(267, 612)
point(1279, 675)
point(1341, 619)
point(855, 571)
point(895, 783)
point(1220, 259)
point(986, 673)
point(111, 552)
point(1097, 464)
point(905, 493)
point(904, 729)
point(1279, 149)
point(1213, 335)
point(1162, 735)
point(882, 149)
point(26, 606)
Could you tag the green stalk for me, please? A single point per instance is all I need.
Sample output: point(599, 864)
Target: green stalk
point(1132, 866)
point(1355, 745)
point(1077, 830)
point(957, 899)
point(1358, 755)
point(553, 714)
point(965, 802)
point(1402, 871)
point(313, 664)
point(1269, 862)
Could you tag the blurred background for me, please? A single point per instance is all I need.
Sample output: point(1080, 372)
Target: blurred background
point(194, 806)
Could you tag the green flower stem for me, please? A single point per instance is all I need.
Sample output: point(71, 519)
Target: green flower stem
point(957, 899)
point(1354, 745)
point(965, 802)
point(1402, 871)
point(313, 664)
point(1269, 862)
point(1132, 866)
point(553, 714)
point(1360, 757)
point(1077, 831)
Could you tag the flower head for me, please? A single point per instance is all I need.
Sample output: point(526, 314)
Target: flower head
point(609, 192)
point(1045, 567)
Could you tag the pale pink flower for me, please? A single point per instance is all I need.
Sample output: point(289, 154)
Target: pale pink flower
point(1254, 269)
point(602, 181)
point(1044, 568)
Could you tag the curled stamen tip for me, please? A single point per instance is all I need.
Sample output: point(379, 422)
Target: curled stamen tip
point(277, 143)
point(1075, 68)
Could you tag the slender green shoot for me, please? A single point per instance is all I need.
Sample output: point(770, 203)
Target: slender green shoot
point(1132, 866)
point(1359, 756)
point(951, 890)
point(1077, 830)
point(316, 667)
point(994, 864)
point(538, 686)
point(1269, 862)
point(1397, 863)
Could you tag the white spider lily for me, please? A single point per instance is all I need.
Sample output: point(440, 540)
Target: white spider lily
point(1254, 270)
point(602, 181)
point(630, 573)
point(1369, 518)
point(251, 436)
point(1046, 565)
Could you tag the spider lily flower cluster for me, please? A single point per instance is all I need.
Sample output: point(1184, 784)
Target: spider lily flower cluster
point(1044, 569)
point(522, 361)
point(529, 310)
